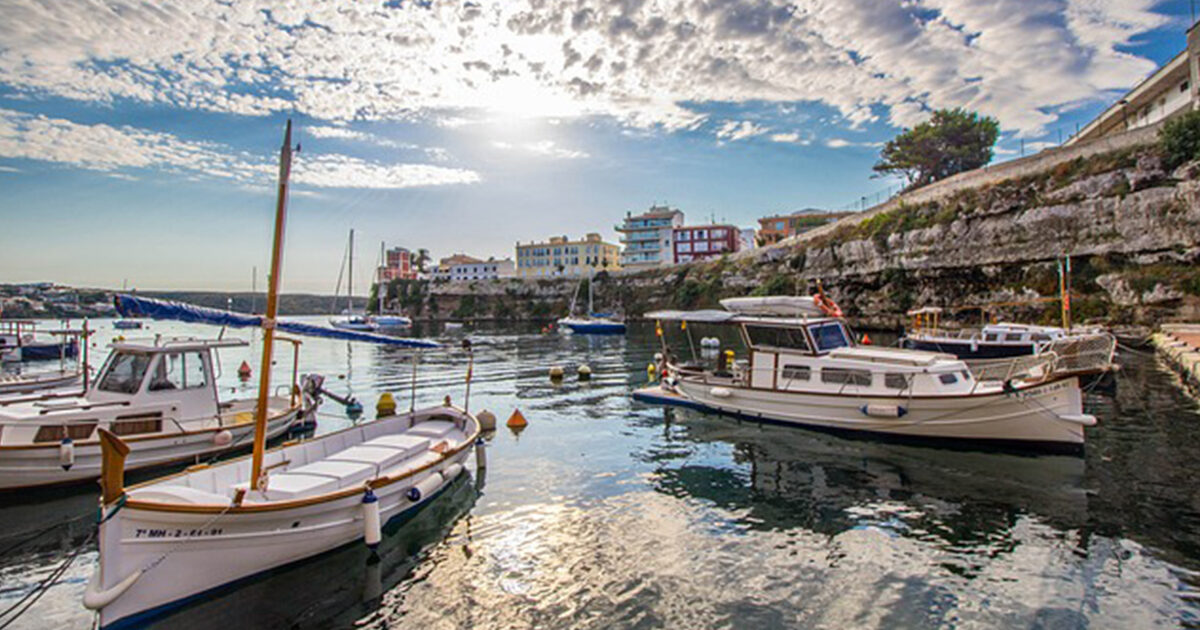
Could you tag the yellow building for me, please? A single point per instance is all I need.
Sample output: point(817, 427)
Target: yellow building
point(560, 257)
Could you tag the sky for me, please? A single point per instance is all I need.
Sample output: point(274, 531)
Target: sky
point(139, 140)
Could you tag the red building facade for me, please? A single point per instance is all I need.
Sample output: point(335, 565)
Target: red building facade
point(399, 265)
point(698, 242)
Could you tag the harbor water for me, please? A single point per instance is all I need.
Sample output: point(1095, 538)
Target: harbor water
point(608, 513)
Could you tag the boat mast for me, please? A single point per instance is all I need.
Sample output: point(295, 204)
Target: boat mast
point(350, 281)
point(268, 322)
point(379, 277)
point(591, 308)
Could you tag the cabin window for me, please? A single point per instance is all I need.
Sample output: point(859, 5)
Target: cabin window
point(895, 381)
point(134, 424)
point(777, 337)
point(829, 336)
point(178, 370)
point(797, 373)
point(1012, 337)
point(989, 337)
point(78, 430)
point(966, 375)
point(125, 372)
point(839, 376)
point(947, 379)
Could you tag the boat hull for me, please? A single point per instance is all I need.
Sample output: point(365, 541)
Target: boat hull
point(592, 327)
point(48, 351)
point(39, 465)
point(1047, 415)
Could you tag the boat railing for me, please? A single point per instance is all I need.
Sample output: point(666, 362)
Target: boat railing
point(948, 333)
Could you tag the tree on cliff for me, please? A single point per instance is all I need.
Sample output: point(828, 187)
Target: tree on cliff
point(421, 260)
point(952, 141)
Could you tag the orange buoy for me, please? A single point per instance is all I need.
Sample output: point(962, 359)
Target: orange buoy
point(516, 420)
point(244, 371)
point(866, 339)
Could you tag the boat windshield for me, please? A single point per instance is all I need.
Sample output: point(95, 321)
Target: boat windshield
point(829, 336)
point(124, 373)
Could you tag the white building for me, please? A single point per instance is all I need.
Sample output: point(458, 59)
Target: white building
point(647, 237)
point(490, 269)
point(1169, 91)
point(748, 237)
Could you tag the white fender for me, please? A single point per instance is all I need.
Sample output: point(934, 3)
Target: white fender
point(1083, 419)
point(884, 411)
point(66, 454)
point(721, 392)
point(425, 487)
point(452, 472)
point(372, 526)
point(223, 438)
point(480, 454)
point(95, 599)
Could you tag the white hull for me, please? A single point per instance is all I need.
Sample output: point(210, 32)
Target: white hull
point(39, 465)
point(1046, 413)
point(23, 385)
point(179, 553)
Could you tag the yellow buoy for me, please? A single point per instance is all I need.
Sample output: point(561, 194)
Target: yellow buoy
point(386, 405)
point(651, 372)
point(516, 420)
point(556, 373)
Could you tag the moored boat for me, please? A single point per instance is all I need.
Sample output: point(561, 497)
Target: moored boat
point(21, 341)
point(161, 396)
point(807, 370)
point(593, 323)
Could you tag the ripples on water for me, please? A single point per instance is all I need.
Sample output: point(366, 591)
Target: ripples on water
point(609, 513)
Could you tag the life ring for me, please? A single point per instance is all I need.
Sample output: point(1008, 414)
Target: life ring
point(827, 305)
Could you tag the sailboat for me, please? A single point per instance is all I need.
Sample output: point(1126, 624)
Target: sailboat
point(595, 323)
point(351, 319)
point(170, 541)
point(385, 322)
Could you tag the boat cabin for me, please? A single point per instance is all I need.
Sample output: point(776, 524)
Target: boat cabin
point(815, 355)
point(156, 387)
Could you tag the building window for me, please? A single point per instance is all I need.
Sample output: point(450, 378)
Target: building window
point(684, 247)
point(718, 233)
point(702, 246)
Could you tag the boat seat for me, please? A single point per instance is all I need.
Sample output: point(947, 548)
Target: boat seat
point(289, 485)
point(406, 443)
point(381, 457)
point(178, 494)
point(346, 474)
point(434, 429)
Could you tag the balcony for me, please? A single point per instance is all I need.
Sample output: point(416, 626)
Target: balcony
point(637, 237)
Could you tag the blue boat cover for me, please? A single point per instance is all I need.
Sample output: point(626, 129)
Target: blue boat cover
point(135, 306)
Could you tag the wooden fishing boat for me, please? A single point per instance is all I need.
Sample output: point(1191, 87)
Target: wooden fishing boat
point(161, 396)
point(807, 370)
point(170, 541)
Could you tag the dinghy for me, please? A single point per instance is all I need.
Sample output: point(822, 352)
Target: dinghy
point(173, 540)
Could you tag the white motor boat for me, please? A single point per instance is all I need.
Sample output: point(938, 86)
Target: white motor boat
point(160, 396)
point(170, 541)
point(807, 370)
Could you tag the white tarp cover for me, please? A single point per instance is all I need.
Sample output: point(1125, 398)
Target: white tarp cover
point(777, 305)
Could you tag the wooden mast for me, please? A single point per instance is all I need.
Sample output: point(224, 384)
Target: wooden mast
point(268, 322)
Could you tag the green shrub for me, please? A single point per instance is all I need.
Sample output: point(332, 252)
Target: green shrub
point(1180, 139)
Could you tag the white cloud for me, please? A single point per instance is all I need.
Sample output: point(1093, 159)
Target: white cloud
point(637, 61)
point(791, 138)
point(118, 150)
point(544, 148)
point(838, 143)
point(733, 130)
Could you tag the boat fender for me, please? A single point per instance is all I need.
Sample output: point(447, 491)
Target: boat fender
point(1009, 388)
point(386, 405)
point(223, 438)
point(452, 472)
point(425, 487)
point(974, 345)
point(720, 392)
point(354, 408)
point(95, 599)
point(66, 453)
point(372, 528)
point(480, 454)
point(1082, 419)
point(884, 411)
point(651, 372)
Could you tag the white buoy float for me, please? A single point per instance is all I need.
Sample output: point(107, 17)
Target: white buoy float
point(585, 373)
point(372, 527)
point(66, 453)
